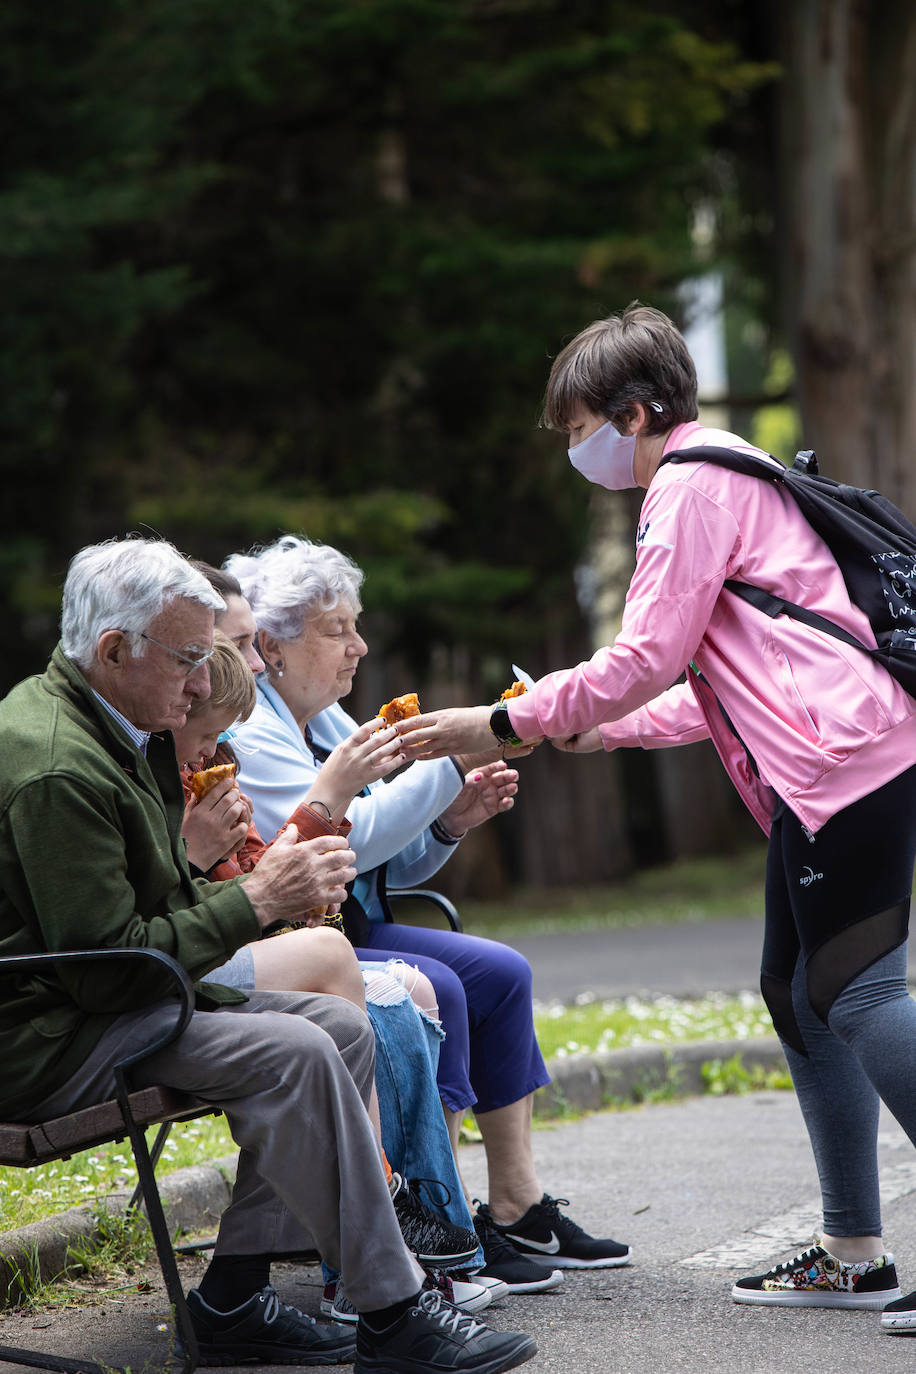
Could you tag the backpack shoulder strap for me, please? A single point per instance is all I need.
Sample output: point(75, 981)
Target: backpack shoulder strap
point(776, 605)
point(730, 458)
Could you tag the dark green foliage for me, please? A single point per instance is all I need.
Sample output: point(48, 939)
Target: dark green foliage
point(303, 264)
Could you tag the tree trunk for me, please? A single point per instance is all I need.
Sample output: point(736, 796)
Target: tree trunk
point(849, 129)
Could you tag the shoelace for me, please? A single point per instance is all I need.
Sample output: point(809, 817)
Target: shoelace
point(413, 1186)
point(273, 1307)
point(552, 1205)
point(448, 1317)
point(427, 1227)
point(802, 1261)
point(493, 1241)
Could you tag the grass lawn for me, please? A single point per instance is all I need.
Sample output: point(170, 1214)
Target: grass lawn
point(690, 891)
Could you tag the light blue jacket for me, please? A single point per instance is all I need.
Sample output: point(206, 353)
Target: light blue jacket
point(390, 821)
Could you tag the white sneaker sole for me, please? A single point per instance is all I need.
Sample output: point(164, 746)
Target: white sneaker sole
point(545, 1285)
point(567, 1262)
point(899, 1323)
point(812, 1297)
point(471, 1297)
point(496, 1288)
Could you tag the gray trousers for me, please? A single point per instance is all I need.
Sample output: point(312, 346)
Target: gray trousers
point(292, 1073)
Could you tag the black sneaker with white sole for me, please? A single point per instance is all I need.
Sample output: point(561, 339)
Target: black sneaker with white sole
point(502, 1261)
point(267, 1331)
point(434, 1335)
point(432, 1238)
point(546, 1234)
point(899, 1318)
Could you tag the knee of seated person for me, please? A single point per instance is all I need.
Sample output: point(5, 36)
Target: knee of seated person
point(348, 1024)
point(422, 992)
point(328, 950)
point(513, 971)
point(336, 946)
point(332, 943)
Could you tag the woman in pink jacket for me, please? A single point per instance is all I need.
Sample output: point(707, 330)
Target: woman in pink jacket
point(819, 740)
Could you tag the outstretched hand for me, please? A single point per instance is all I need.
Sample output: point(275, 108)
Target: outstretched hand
point(486, 792)
point(456, 730)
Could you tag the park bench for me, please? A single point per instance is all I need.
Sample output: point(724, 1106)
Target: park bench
point(387, 895)
point(126, 1115)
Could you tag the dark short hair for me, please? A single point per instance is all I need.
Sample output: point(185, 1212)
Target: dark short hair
point(639, 355)
point(220, 580)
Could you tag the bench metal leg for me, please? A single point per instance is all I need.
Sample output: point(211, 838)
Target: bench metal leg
point(183, 1358)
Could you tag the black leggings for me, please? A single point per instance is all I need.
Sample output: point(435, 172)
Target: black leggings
point(838, 900)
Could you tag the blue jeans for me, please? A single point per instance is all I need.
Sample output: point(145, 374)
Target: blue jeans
point(414, 1134)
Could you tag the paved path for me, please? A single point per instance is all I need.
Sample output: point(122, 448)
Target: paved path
point(685, 960)
point(686, 1184)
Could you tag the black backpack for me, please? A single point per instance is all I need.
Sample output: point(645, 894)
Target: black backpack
point(872, 541)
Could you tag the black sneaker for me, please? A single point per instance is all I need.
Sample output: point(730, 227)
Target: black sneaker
point(432, 1238)
point(544, 1231)
point(434, 1335)
point(502, 1261)
point(899, 1318)
point(265, 1329)
point(815, 1278)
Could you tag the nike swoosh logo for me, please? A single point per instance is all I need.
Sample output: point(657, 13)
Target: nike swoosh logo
point(548, 1247)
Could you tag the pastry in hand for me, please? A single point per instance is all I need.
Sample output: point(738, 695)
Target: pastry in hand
point(400, 708)
point(203, 781)
point(516, 690)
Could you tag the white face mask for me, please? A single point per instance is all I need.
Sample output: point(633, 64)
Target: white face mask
point(606, 458)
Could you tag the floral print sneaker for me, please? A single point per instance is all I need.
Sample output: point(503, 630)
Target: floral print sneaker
point(816, 1278)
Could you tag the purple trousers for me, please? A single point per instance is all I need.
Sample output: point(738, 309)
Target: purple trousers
point(490, 1055)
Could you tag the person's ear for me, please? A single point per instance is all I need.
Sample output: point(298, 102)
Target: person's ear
point(269, 648)
point(638, 420)
point(113, 650)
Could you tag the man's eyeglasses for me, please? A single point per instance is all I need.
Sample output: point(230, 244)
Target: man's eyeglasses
point(192, 663)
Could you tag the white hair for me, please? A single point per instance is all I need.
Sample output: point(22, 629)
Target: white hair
point(292, 579)
point(123, 584)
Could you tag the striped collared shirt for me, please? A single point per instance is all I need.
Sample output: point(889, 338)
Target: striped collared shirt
point(138, 737)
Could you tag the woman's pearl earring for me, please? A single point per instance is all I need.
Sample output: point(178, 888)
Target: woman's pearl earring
point(280, 668)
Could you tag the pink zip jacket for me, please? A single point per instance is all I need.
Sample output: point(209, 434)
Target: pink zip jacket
point(822, 723)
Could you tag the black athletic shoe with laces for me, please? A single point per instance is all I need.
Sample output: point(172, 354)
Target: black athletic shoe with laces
point(520, 1273)
point(434, 1335)
point(432, 1238)
point(265, 1329)
point(554, 1238)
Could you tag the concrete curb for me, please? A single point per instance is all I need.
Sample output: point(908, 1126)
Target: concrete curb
point(194, 1198)
point(589, 1082)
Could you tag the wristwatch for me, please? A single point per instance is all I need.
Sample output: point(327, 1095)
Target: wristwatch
point(501, 725)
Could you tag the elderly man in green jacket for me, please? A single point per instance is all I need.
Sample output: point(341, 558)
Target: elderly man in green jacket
point(91, 856)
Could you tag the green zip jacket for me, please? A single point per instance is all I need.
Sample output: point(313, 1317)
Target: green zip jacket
point(92, 857)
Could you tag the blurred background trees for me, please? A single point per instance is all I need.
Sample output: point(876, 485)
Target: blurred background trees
point(303, 265)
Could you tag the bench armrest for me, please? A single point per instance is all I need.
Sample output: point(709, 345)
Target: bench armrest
point(184, 988)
